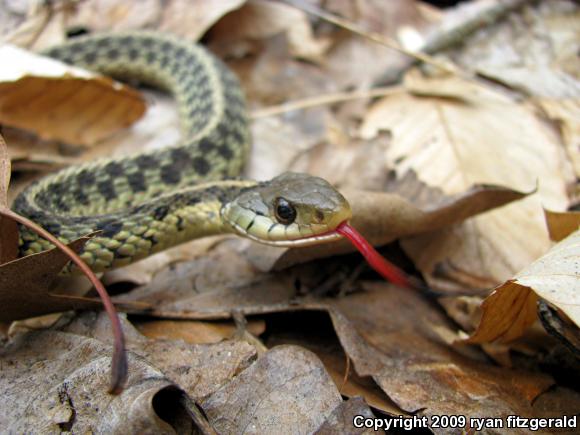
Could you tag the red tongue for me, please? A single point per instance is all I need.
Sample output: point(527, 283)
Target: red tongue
point(389, 271)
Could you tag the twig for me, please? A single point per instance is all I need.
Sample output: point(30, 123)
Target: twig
point(321, 100)
point(374, 36)
point(119, 359)
point(479, 19)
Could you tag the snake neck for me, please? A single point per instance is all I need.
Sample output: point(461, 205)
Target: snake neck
point(135, 232)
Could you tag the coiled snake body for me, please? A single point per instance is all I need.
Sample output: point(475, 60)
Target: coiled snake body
point(148, 202)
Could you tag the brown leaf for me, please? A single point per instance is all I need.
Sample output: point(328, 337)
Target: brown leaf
point(111, 15)
point(8, 228)
point(561, 225)
point(261, 19)
point(198, 369)
point(341, 419)
point(26, 284)
point(455, 134)
point(286, 390)
point(408, 357)
point(192, 20)
point(511, 308)
point(51, 99)
point(53, 381)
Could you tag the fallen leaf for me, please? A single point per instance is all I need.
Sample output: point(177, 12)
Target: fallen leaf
point(111, 15)
point(68, 376)
point(561, 225)
point(286, 390)
point(8, 228)
point(565, 112)
point(193, 332)
point(341, 419)
point(199, 369)
point(26, 283)
point(511, 308)
point(419, 370)
point(454, 142)
point(260, 19)
point(51, 99)
point(193, 19)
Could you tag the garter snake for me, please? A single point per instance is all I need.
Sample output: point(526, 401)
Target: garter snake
point(151, 201)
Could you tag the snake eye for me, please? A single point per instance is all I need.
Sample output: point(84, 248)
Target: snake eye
point(285, 212)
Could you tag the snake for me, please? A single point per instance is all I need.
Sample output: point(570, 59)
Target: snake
point(145, 203)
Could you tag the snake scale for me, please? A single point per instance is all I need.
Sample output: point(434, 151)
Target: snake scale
point(154, 200)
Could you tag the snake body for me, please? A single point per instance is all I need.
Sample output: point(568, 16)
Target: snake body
point(151, 201)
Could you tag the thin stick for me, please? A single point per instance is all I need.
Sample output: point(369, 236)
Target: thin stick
point(374, 36)
point(119, 359)
point(322, 100)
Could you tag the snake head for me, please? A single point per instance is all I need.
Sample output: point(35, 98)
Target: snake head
point(290, 210)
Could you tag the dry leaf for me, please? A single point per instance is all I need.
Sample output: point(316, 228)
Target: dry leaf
point(415, 367)
point(261, 19)
point(286, 390)
point(192, 18)
point(472, 136)
point(561, 225)
point(511, 308)
point(26, 284)
point(55, 381)
point(111, 15)
point(8, 228)
point(62, 102)
point(566, 113)
point(195, 332)
point(198, 369)
point(341, 419)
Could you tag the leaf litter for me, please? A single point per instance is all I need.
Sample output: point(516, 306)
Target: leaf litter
point(406, 353)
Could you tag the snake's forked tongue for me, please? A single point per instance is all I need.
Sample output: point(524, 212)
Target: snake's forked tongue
point(387, 270)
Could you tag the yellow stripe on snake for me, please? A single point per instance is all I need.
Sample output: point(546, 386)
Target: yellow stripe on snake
point(149, 202)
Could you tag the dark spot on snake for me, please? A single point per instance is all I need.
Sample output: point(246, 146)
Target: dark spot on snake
point(180, 156)
point(180, 52)
point(146, 162)
point(201, 165)
point(90, 57)
point(114, 169)
point(110, 228)
point(106, 189)
point(103, 43)
point(136, 181)
point(126, 40)
point(164, 62)
point(169, 175)
point(151, 57)
point(133, 54)
point(251, 224)
point(61, 204)
point(193, 200)
point(53, 228)
point(205, 145)
point(81, 197)
point(85, 177)
point(179, 224)
point(113, 54)
point(225, 152)
point(166, 47)
point(160, 212)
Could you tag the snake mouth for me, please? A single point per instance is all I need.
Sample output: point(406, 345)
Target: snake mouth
point(315, 239)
